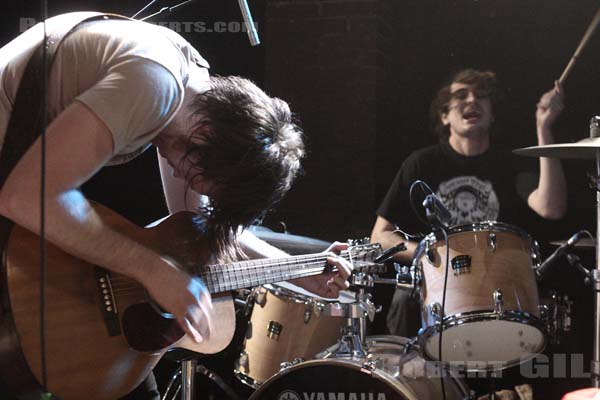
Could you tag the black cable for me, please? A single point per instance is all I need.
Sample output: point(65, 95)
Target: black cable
point(443, 310)
point(411, 195)
point(45, 71)
point(143, 9)
point(589, 234)
point(427, 189)
point(407, 236)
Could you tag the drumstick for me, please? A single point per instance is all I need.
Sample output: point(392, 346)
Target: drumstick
point(582, 44)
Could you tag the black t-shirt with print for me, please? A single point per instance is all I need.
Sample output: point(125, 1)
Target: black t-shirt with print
point(474, 188)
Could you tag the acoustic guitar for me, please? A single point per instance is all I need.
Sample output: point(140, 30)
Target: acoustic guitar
point(103, 334)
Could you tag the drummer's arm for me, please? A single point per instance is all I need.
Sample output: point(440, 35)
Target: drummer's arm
point(384, 232)
point(549, 199)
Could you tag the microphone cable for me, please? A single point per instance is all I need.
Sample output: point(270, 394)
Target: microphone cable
point(44, 118)
point(425, 188)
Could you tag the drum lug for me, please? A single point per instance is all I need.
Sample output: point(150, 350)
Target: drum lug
point(274, 330)
point(308, 310)
point(435, 311)
point(369, 366)
point(536, 258)
point(492, 241)
point(243, 360)
point(498, 301)
point(260, 295)
point(289, 364)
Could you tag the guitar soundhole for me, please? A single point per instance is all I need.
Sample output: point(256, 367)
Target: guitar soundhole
point(147, 331)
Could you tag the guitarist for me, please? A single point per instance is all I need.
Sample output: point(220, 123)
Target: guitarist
point(116, 87)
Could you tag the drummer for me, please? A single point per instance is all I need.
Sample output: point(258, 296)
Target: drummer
point(470, 172)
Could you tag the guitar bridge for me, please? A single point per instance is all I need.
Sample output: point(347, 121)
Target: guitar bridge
point(107, 301)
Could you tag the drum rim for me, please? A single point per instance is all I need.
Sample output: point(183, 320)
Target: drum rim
point(488, 225)
point(290, 294)
point(355, 364)
point(485, 225)
point(521, 317)
point(352, 362)
point(300, 298)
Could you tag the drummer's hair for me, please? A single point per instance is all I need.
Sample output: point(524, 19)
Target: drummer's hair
point(483, 80)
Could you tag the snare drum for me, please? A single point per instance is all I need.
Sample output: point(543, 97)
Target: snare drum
point(388, 373)
point(287, 324)
point(491, 316)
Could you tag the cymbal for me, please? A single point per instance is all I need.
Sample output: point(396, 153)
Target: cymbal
point(586, 243)
point(292, 244)
point(584, 149)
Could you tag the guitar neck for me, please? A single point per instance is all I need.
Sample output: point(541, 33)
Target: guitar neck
point(226, 277)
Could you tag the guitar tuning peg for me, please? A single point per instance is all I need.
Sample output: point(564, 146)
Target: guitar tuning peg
point(359, 242)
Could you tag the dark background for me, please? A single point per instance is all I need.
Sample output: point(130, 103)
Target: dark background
point(360, 75)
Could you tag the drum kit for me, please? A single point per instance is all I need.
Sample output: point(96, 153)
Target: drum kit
point(492, 319)
point(480, 310)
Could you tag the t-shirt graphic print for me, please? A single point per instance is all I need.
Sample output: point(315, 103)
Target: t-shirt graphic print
point(469, 200)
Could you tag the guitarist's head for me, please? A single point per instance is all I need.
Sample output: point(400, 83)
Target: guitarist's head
point(245, 148)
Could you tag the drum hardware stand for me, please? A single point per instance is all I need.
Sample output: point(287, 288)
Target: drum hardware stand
point(575, 261)
point(352, 342)
point(187, 371)
point(595, 364)
point(557, 316)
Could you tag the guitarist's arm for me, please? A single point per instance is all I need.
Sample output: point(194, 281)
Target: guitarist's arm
point(78, 144)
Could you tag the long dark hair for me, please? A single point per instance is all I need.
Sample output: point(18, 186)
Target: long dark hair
point(248, 147)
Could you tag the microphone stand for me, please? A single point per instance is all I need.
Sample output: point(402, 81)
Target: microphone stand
point(595, 364)
point(166, 10)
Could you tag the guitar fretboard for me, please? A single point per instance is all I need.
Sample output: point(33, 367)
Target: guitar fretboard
point(241, 274)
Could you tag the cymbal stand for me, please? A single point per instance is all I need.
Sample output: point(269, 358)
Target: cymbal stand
point(595, 367)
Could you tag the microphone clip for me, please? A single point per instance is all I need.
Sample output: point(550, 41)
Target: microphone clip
point(389, 253)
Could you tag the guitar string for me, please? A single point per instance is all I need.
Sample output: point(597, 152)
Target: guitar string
point(121, 285)
point(235, 273)
point(242, 266)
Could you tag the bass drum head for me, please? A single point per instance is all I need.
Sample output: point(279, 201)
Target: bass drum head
point(486, 344)
point(390, 374)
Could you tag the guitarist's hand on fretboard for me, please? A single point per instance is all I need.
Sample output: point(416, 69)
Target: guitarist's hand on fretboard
point(334, 277)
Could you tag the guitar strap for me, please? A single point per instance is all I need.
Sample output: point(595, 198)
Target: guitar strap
point(24, 127)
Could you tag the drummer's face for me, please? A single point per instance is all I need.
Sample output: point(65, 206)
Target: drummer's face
point(469, 111)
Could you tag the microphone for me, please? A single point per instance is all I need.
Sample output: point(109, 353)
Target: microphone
point(389, 253)
point(250, 28)
point(563, 248)
point(437, 213)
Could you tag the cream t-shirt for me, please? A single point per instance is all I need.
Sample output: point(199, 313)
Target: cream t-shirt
point(130, 73)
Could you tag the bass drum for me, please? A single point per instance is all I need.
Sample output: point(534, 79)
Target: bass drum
point(388, 373)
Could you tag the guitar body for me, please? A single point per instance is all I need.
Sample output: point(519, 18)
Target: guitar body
point(89, 351)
